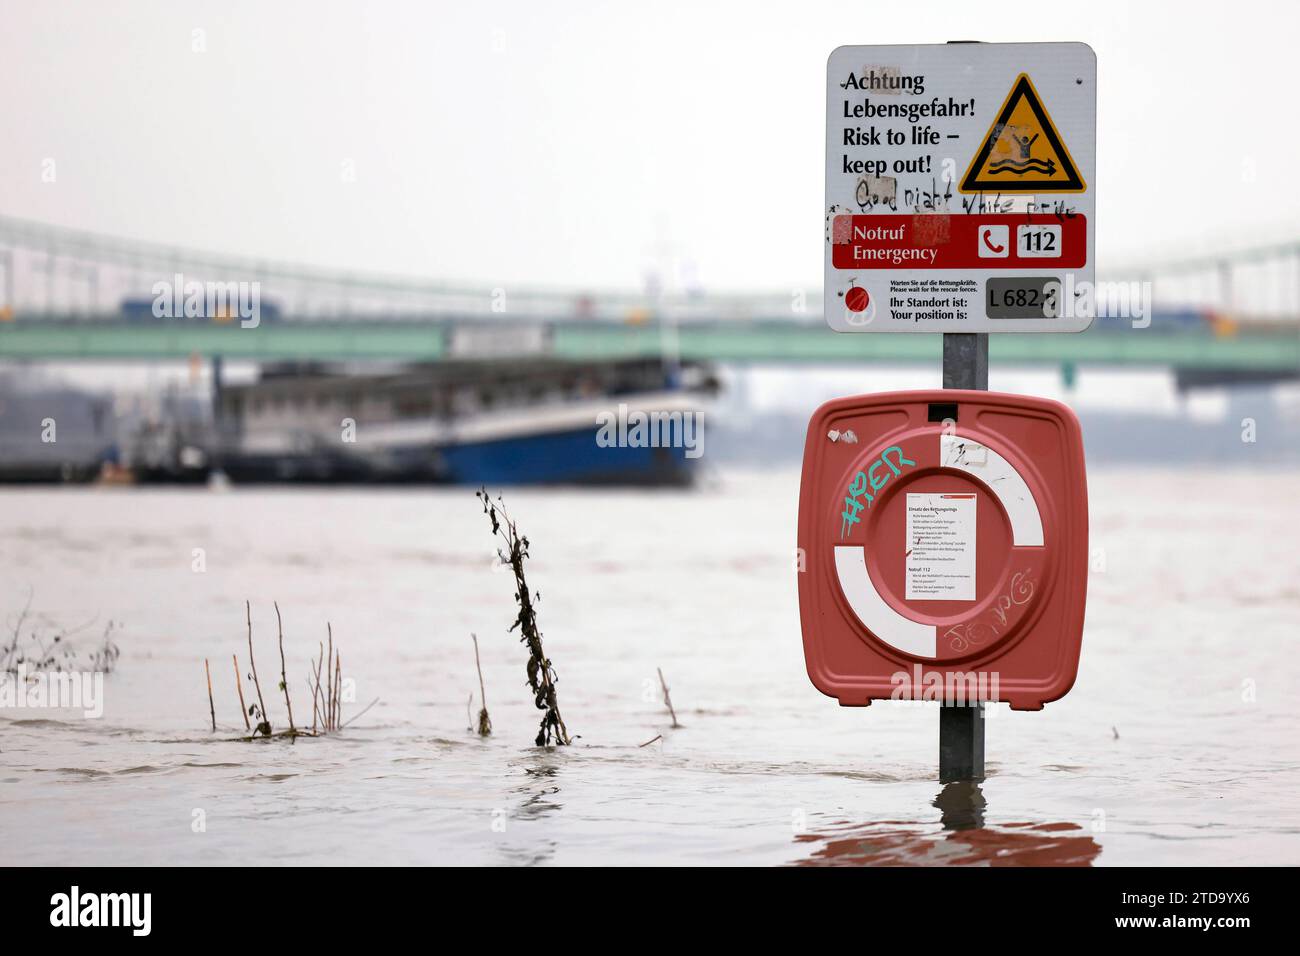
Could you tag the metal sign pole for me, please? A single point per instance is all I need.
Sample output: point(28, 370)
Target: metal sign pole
point(961, 727)
point(966, 360)
point(1006, 120)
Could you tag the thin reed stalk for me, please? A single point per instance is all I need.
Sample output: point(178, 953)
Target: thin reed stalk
point(319, 699)
point(338, 688)
point(329, 677)
point(212, 709)
point(312, 690)
point(239, 686)
point(284, 680)
point(668, 701)
point(264, 720)
point(484, 721)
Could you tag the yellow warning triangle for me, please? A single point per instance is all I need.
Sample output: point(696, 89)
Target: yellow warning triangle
point(1022, 151)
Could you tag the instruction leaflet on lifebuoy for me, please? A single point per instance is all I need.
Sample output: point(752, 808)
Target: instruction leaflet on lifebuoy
point(941, 547)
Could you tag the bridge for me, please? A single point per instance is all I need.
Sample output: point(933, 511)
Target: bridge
point(66, 294)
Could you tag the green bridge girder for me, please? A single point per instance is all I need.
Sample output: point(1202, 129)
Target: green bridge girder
point(756, 341)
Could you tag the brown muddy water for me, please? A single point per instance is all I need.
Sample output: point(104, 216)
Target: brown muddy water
point(1179, 744)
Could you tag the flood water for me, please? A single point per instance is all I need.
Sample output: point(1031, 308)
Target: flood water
point(1179, 744)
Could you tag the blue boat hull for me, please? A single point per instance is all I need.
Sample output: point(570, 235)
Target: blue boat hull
point(566, 457)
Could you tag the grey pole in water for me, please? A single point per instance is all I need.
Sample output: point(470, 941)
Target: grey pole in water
point(961, 728)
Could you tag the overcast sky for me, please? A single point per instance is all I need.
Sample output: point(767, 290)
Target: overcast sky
point(577, 144)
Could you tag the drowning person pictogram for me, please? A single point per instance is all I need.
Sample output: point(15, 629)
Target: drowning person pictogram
point(1022, 151)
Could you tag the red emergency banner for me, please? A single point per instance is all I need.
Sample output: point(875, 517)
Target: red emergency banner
point(940, 241)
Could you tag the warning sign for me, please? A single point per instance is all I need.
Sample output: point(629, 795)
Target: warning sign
point(958, 194)
point(1022, 151)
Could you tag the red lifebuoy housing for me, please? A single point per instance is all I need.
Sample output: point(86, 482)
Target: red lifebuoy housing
point(944, 537)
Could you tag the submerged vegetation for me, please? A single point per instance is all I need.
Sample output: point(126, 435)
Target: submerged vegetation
point(484, 721)
point(541, 673)
point(668, 701)
point(324, 681)
point(35, 644)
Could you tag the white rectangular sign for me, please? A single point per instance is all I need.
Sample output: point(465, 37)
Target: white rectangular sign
point(959, 187)
point(940, 547)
